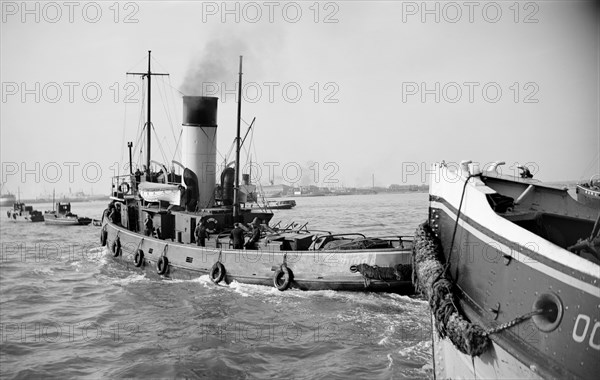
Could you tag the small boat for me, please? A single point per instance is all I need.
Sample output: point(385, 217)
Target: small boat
point(7, 199)
point(510, 267)
point(152, 218)
point(284, 204)
point(589, 193)
point(23, 213)
point(62, 216)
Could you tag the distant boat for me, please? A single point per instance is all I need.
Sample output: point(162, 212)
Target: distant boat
point(62, 216)
point(284, 204)
point(23, 213)
point(7, 200)
point(589, 193)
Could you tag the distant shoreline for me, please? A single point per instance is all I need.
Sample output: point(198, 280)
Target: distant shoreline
point(67, 199)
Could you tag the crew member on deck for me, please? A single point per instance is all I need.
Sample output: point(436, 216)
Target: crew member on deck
point(149, 226)
point(237, 235)
point(201, 234)
point(251, 244)
point(138, 177)
point(115, 215)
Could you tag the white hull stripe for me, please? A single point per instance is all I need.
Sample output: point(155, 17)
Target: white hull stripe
point(534, 264)
point(578, 267)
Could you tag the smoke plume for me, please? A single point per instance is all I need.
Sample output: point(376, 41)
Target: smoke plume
point(218, 61)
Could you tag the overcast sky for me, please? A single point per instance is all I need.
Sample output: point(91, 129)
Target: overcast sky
point(343, 90)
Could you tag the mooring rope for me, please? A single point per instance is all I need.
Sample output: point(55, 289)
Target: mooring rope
point(462, 197)
point(515, 321)
point(430, 278)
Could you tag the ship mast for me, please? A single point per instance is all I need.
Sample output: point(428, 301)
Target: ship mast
point(148, 124)
point(236, 199)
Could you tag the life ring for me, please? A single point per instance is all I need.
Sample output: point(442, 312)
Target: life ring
point(217, 272)
point(283, 278)
point(124, 188)
point(162, 265)
point(116, 247)
point(138, 259)
point(103, 236)
point(211, 225)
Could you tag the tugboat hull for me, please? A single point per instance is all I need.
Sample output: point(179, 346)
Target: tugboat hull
point(310, 270)
point(449, 363)
point(66, 221)
point(62, 216)
point(23, 213)
point(510, 261)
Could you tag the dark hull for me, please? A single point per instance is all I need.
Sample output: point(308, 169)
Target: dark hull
point(588, 197)
point(280, 207)
point(312, 270)
point(15, 217)
point(484, 280)
point(504, 264)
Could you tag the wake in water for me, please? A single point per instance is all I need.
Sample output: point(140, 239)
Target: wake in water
point(67, 308)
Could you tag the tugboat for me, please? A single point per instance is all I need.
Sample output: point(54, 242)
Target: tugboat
point(510, 268)
point(62, 216)
point(589, 193)
point(23, 213)
point(284, 204)
point(150, 225)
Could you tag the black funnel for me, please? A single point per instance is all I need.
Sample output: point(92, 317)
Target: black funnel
point(200, 111)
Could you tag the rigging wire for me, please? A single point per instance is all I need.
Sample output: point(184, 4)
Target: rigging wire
point(258, 183)
point(124, 129)
point(168, 106)
point(140, 131)
point(163, 98)
point(177, 146)
point(144, 57)
point(158, 143)
point(174, 109)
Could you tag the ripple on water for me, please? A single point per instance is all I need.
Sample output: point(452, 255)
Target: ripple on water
point(115, 322)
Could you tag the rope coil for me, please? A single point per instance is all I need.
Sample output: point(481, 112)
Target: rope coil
point(431, 278)
point(400, 272)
